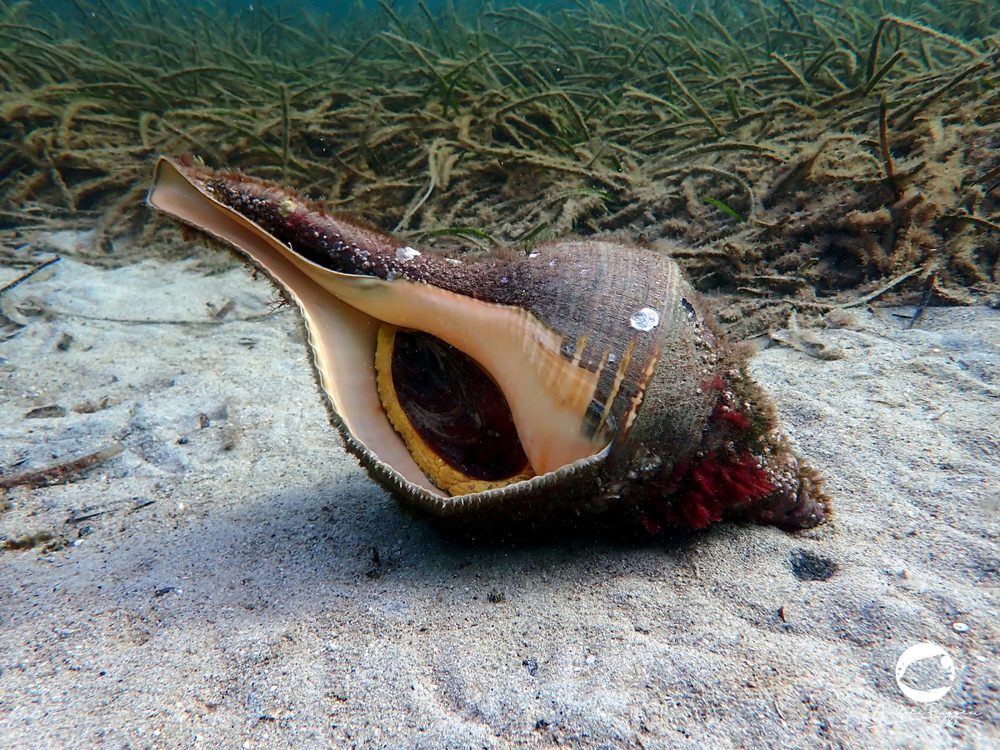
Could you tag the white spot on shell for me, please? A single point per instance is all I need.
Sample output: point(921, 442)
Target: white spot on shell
point(645, 320)
point(404, 254)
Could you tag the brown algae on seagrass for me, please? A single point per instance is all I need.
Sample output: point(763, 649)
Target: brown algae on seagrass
point(636, 120)
point(62, 471)
point(805, 341)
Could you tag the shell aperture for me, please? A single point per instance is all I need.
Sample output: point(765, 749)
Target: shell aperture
point(453, 418)
point(612, 408)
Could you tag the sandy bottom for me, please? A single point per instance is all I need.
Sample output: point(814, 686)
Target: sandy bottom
point(216, 584)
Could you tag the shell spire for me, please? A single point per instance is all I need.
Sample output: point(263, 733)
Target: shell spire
point(584, 377)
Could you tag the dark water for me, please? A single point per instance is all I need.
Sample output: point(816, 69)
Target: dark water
point(969, 19)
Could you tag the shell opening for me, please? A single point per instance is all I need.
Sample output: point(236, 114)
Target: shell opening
point(450, 413)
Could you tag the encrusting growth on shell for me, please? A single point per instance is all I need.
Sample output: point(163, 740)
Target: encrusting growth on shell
point(585, 377)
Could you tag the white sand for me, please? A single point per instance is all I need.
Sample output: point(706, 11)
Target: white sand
point(228, 598)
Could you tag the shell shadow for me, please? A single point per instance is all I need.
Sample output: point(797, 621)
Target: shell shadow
point(356, 521)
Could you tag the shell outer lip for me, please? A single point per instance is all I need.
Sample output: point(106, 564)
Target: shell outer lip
point(569, 489)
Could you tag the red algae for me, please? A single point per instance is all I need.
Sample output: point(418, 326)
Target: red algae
point(706, 489)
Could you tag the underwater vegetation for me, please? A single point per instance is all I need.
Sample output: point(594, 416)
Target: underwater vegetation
point(784, 151)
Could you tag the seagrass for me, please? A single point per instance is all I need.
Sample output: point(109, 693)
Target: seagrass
point(747, 138)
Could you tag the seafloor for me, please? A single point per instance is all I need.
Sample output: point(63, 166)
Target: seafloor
point(202, 564)
point(234, 576)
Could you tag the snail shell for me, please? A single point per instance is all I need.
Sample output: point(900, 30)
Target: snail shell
point(581, 377)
